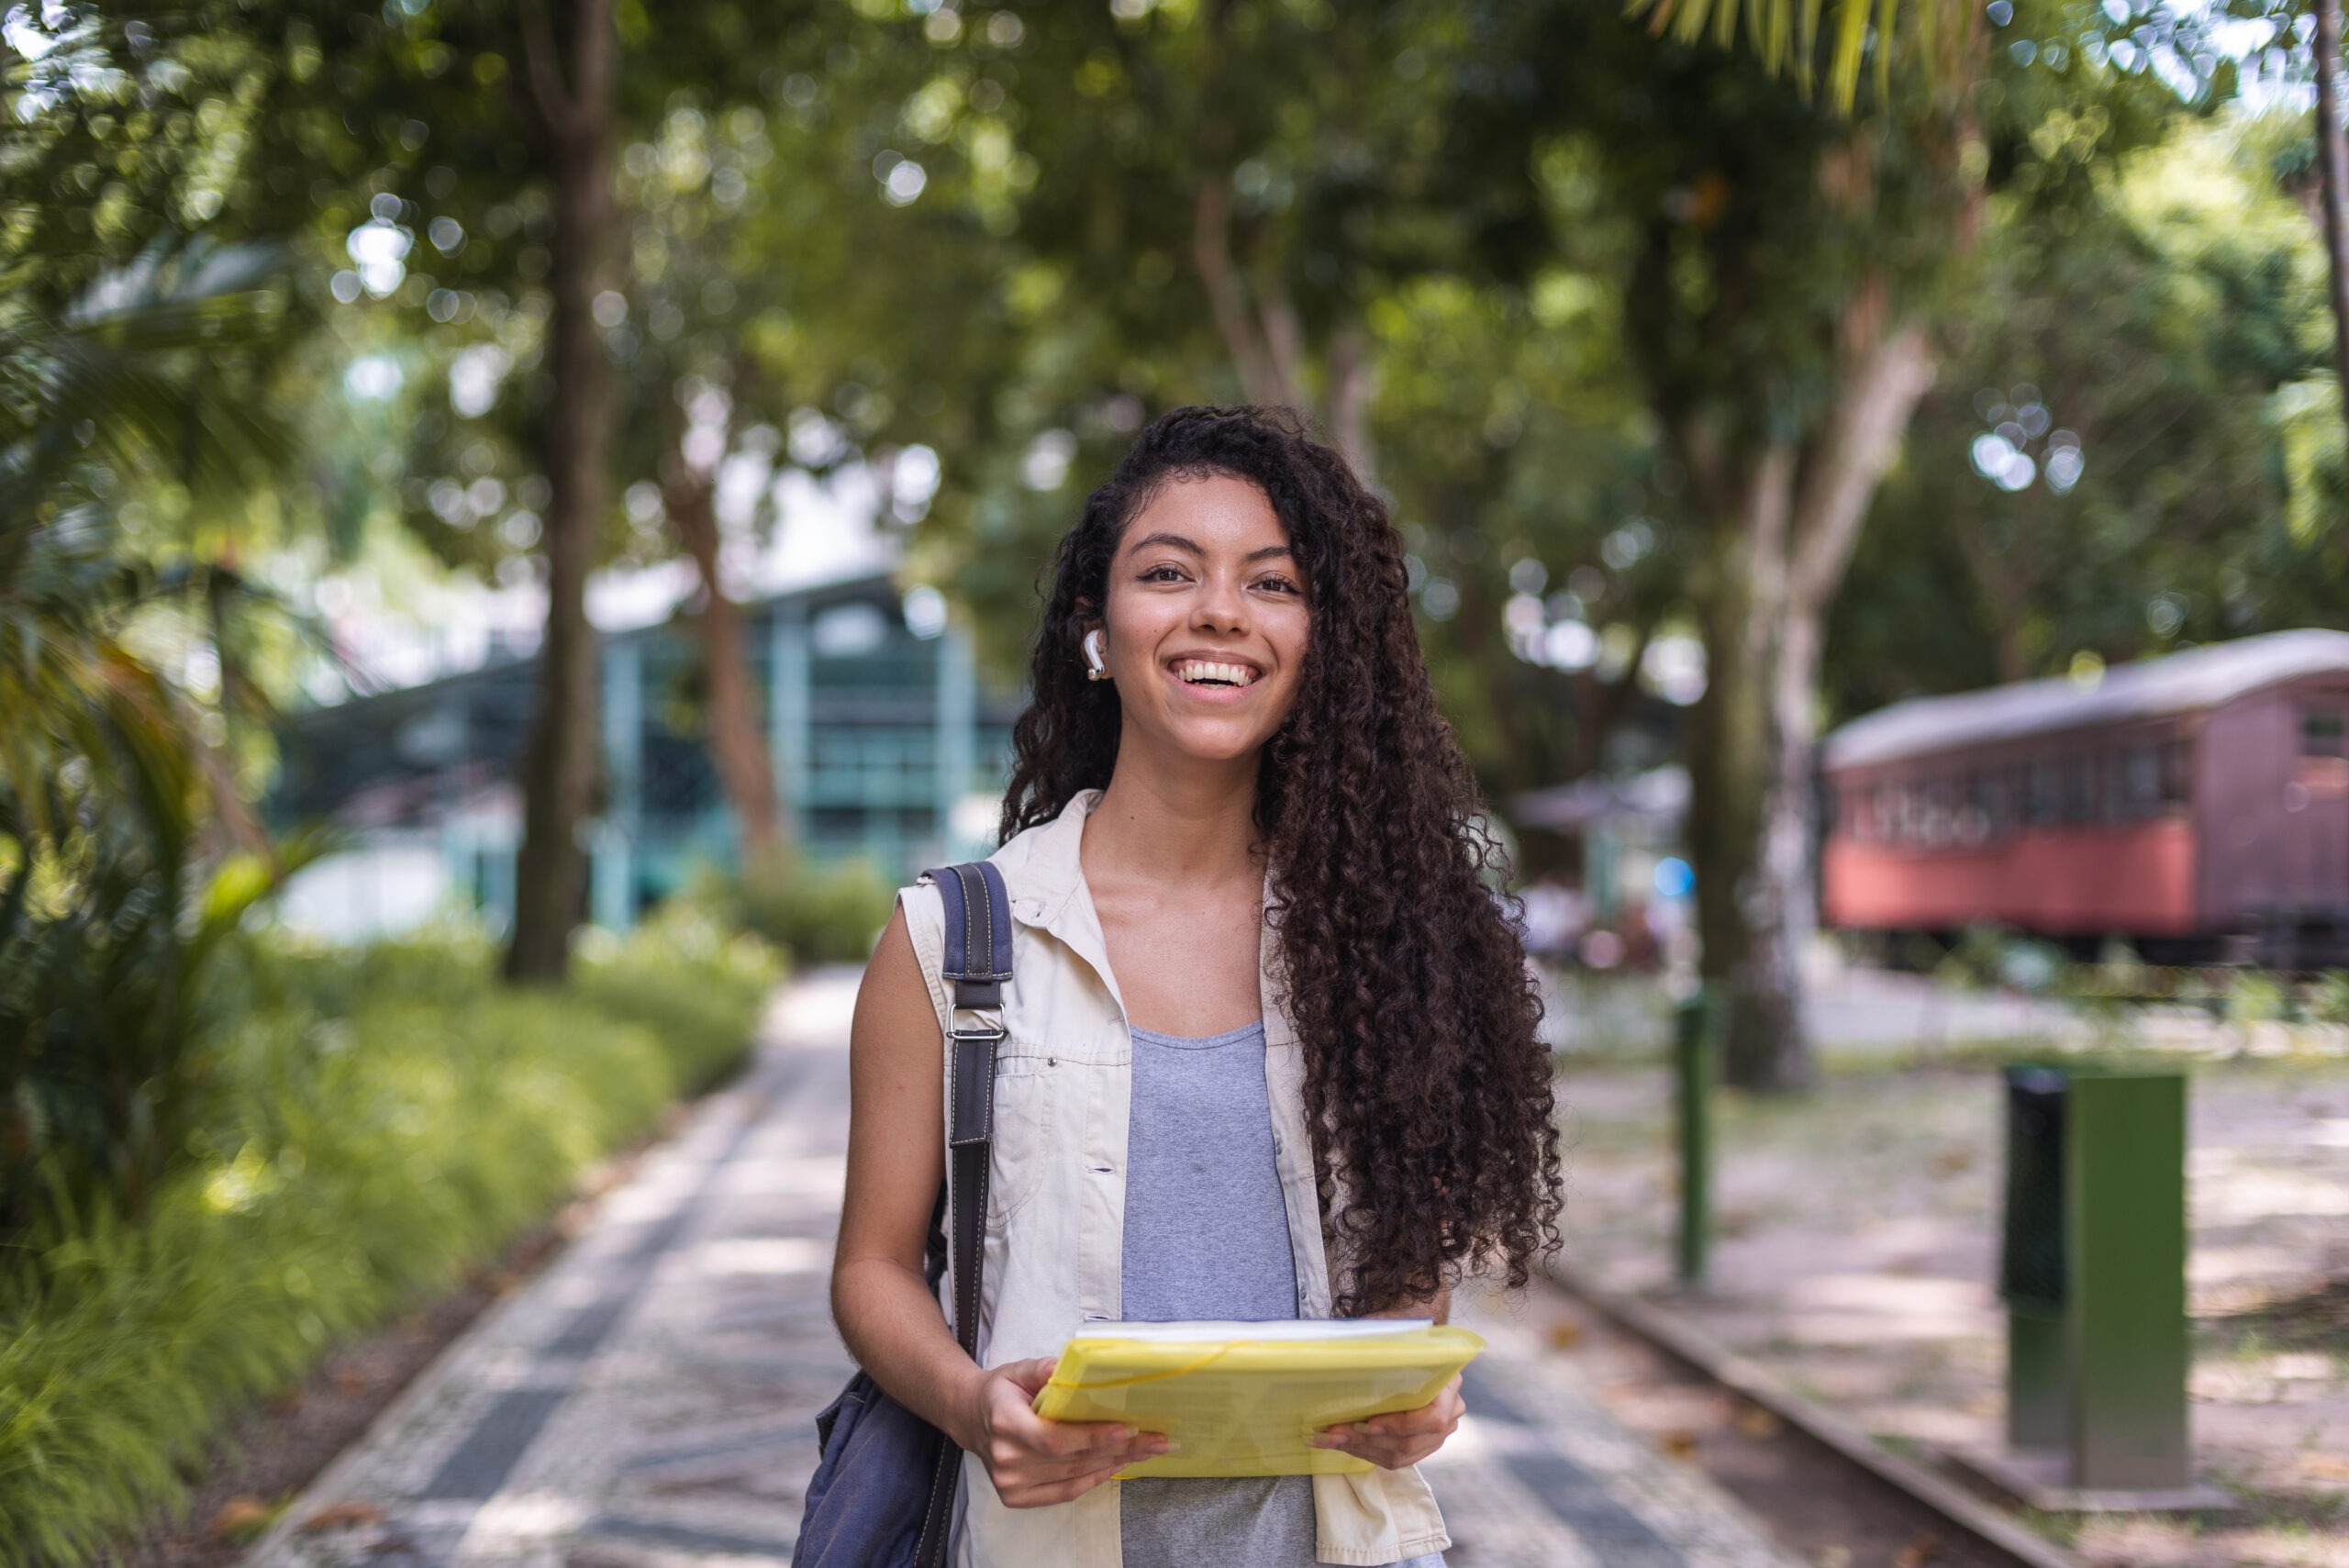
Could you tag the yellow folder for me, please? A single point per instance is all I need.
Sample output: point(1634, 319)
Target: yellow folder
point(1240, 1398)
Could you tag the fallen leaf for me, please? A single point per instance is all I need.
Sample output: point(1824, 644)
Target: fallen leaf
point(341, 1516)
point(241, 1517)
point(1680, 1445)
point(1834, 1557)
point(1564, 1334)
point(1757, 1422)
point(1915, 1553)
point(2325, 1466)
point(349, 1380)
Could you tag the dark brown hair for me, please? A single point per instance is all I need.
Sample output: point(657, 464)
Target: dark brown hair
point(1427, 1093)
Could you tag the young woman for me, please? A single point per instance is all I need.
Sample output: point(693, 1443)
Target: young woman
point(1272, 1045)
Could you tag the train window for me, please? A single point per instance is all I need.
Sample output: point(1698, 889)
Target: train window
point(2144, 796)
point(2322, 732)
point(2079, 788)
point(2176, 767)
point(2046, 791)
point(1975, 816)
point(2120, 774)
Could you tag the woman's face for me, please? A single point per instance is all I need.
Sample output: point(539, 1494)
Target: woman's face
point(1206, 619)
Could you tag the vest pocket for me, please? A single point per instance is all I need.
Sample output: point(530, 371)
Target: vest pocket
point(1025, 1080)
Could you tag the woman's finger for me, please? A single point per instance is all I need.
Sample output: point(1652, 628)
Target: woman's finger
point(1015, 1468)
point(1063, 1468)
point(1390, 1455)
point(1068, 1439)
point(1030, 1376)
point(1045, 1494)
point(1438, 1416)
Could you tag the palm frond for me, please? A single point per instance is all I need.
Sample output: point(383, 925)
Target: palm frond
point(120, 373)
point(106, 924)
point(1783, 33)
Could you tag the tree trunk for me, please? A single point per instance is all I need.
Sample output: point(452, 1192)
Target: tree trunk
point(559, 772)
point(737, 743)
point(1601, 704)
point(1252, 357)
point(1879, 391)
point(1752, 819)
point(1732, 767)
point(2332, 166)
point(1353, 382)
point(219, 759)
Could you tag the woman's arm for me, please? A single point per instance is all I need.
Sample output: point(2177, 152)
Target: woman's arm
point(1406, 1437)
point(880, 1299)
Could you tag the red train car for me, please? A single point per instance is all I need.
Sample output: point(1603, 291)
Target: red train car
point(2197, 805)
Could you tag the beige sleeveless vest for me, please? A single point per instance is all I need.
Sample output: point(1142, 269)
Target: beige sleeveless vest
point(1055, 1223)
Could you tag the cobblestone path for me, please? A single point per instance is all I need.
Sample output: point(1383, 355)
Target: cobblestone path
point(648, 1401)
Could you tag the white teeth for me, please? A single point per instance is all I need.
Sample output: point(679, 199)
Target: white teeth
point(1201, 671)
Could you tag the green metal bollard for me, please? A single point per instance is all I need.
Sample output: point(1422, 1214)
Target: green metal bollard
point(2093, 1272)
point(2126, 1225)
point(1696, 1054)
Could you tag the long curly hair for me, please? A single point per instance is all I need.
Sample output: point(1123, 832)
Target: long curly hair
point(1426, 1088)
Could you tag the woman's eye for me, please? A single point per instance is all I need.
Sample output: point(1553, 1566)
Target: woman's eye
point(1163, 574)
point(1278, 585)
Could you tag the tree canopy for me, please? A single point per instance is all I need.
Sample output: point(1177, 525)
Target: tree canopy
point(1628, 324)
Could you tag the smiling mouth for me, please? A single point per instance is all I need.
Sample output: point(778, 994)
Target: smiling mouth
point(1214, 673)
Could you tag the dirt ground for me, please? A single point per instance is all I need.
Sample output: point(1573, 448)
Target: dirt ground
point(1858, 1249)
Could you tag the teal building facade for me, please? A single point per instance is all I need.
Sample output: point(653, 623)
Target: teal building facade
point(885, 742)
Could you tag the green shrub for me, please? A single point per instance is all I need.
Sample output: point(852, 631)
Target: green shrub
point(381, 1120)
point(684, 976)
point(819, 913)
point(106, 1000)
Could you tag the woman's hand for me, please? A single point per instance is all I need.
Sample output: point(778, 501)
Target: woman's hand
point(1402, 1438)
point(1035, 1463)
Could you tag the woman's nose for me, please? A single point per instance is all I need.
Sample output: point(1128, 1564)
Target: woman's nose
point(1222, 606)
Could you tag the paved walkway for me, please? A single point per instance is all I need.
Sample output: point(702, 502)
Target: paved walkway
point(649, 1401)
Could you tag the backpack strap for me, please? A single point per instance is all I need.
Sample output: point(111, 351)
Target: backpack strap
point(977, 963)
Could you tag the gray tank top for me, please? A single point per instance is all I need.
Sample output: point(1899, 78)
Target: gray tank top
point(1207, 1236)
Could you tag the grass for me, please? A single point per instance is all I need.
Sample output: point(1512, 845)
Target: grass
point(379, 1120)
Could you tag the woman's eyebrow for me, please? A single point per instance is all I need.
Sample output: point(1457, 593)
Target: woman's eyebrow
point(1178, 542)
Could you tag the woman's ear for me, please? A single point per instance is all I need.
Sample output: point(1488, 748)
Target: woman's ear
point(1092, 639)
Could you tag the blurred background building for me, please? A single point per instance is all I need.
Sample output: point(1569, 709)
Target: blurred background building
point(885, 741)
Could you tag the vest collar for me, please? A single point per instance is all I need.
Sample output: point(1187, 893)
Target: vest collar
point(1044, 873)
point(1042, 869)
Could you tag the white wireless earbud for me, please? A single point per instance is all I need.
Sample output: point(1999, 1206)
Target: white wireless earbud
point(1096, 667)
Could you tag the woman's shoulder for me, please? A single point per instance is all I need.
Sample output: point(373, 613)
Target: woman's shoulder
point(923, 909)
